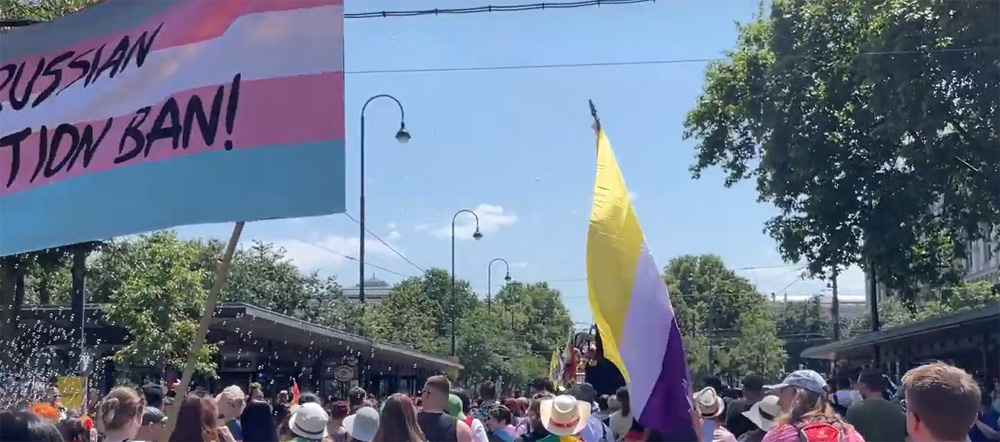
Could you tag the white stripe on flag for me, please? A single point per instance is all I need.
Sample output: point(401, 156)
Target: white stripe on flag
point(259, 46)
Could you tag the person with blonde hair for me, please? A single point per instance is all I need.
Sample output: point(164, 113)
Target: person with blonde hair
point(807, 415)
point(120, 414)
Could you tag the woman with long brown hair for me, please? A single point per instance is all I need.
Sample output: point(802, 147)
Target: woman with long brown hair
point(196, 422)
point(398, 422)
point(806, 412)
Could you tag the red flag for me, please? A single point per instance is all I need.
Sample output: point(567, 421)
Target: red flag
point(295, 392)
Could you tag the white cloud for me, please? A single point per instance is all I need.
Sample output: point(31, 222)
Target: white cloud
point(491, 218)
point(329, 252)
point(391, 226)
point(421, 227)
point(790, 279)
point(632, 196)
point(517, 265)
point(393, 235)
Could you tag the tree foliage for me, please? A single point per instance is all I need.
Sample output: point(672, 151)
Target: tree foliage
point(713, 303)
point(513, 339)
point(934, 303)
point(871, 126)
point(801, 325)
point(163, 274)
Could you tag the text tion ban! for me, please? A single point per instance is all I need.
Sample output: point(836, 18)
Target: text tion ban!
point(173, 123)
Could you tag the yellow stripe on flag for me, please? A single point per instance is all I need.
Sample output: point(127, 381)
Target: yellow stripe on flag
point(613, 244)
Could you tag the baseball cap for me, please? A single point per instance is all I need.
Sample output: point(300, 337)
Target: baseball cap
point(153, 415)
point(453, 407)
point(363, 424)
point(804, 379)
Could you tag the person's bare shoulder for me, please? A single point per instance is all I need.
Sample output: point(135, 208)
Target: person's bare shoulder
point(462, 432)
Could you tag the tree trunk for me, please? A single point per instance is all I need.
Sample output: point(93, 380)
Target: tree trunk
point(835, 306)
point(12, 298)
point(8, 283)
point(78, 302)
point(44, 298)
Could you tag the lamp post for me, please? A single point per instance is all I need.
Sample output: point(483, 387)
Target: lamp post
point(477, 235)
point(489, 282)
point(402, 136)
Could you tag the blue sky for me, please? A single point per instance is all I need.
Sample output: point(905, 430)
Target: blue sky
point(516, 145)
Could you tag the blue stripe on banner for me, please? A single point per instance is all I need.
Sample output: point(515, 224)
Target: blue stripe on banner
point(221, 186)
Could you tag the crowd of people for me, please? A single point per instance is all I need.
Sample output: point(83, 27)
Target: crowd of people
point(935, 403)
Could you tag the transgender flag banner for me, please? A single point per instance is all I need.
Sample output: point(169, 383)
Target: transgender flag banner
point(631, 306)
point(132, 116)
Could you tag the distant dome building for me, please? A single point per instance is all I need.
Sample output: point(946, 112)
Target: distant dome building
point(375, 290)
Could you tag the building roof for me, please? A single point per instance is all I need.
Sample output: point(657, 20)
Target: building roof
point(234, 316)
point(964, 318)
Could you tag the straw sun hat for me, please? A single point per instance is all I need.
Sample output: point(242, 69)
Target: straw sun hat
point(564, 415)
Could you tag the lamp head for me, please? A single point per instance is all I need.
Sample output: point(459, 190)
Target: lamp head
point(507, 278)
point(402, 135)
point(478, 235)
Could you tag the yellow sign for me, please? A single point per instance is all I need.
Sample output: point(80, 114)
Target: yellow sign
point(71, 391)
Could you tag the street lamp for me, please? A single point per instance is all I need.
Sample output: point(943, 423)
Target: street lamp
point(489, 281)
point(454, 296)
point(402, 135)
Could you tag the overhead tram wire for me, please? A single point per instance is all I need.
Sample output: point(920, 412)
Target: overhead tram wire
point(353, 258)
point(421, 269)
point(643, 62)
point(497, 8)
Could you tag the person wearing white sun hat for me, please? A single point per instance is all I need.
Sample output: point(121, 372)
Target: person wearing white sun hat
point(309, 422)
point(363, 424)
point(762, 414)
point(563, 416)
point(711, 406)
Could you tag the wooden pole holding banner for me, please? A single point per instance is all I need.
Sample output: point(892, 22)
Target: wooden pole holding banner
point(221, 273)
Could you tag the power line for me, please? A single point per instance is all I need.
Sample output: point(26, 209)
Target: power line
point(352, 258)
point(387, 245)
point(491, 8)
point(636, 62)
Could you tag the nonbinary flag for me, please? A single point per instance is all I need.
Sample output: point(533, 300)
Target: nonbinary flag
point(631, 306)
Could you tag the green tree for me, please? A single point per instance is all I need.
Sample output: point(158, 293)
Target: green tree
point(540, 317)
point(261, 275)
point(869, 125)
point(407, 317)
point(714, 304)
point(934, 303)
point(802, 324)
point(962, 297)
point(163, 274)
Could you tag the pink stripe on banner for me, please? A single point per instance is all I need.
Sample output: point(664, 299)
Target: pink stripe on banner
point(277, 111)
point(190, 22)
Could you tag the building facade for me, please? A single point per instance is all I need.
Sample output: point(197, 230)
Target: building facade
point(256, 345)
point(983, 262)
point(375, 290)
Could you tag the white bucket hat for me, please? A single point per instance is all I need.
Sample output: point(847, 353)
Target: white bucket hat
point(708, 403)
point(763, 413)
point(363, 424)
point(564, 415)
point(309, 421)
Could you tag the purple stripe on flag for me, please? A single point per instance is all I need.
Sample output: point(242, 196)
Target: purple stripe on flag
point(669, 406)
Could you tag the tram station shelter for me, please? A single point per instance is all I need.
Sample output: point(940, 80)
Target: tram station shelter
point(257, 345)
point(968, 339)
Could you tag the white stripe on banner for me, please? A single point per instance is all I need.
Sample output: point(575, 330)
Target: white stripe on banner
point(259, 46)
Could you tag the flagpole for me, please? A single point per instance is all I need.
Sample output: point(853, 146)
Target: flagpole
point(593, 113)
point(221, 273)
